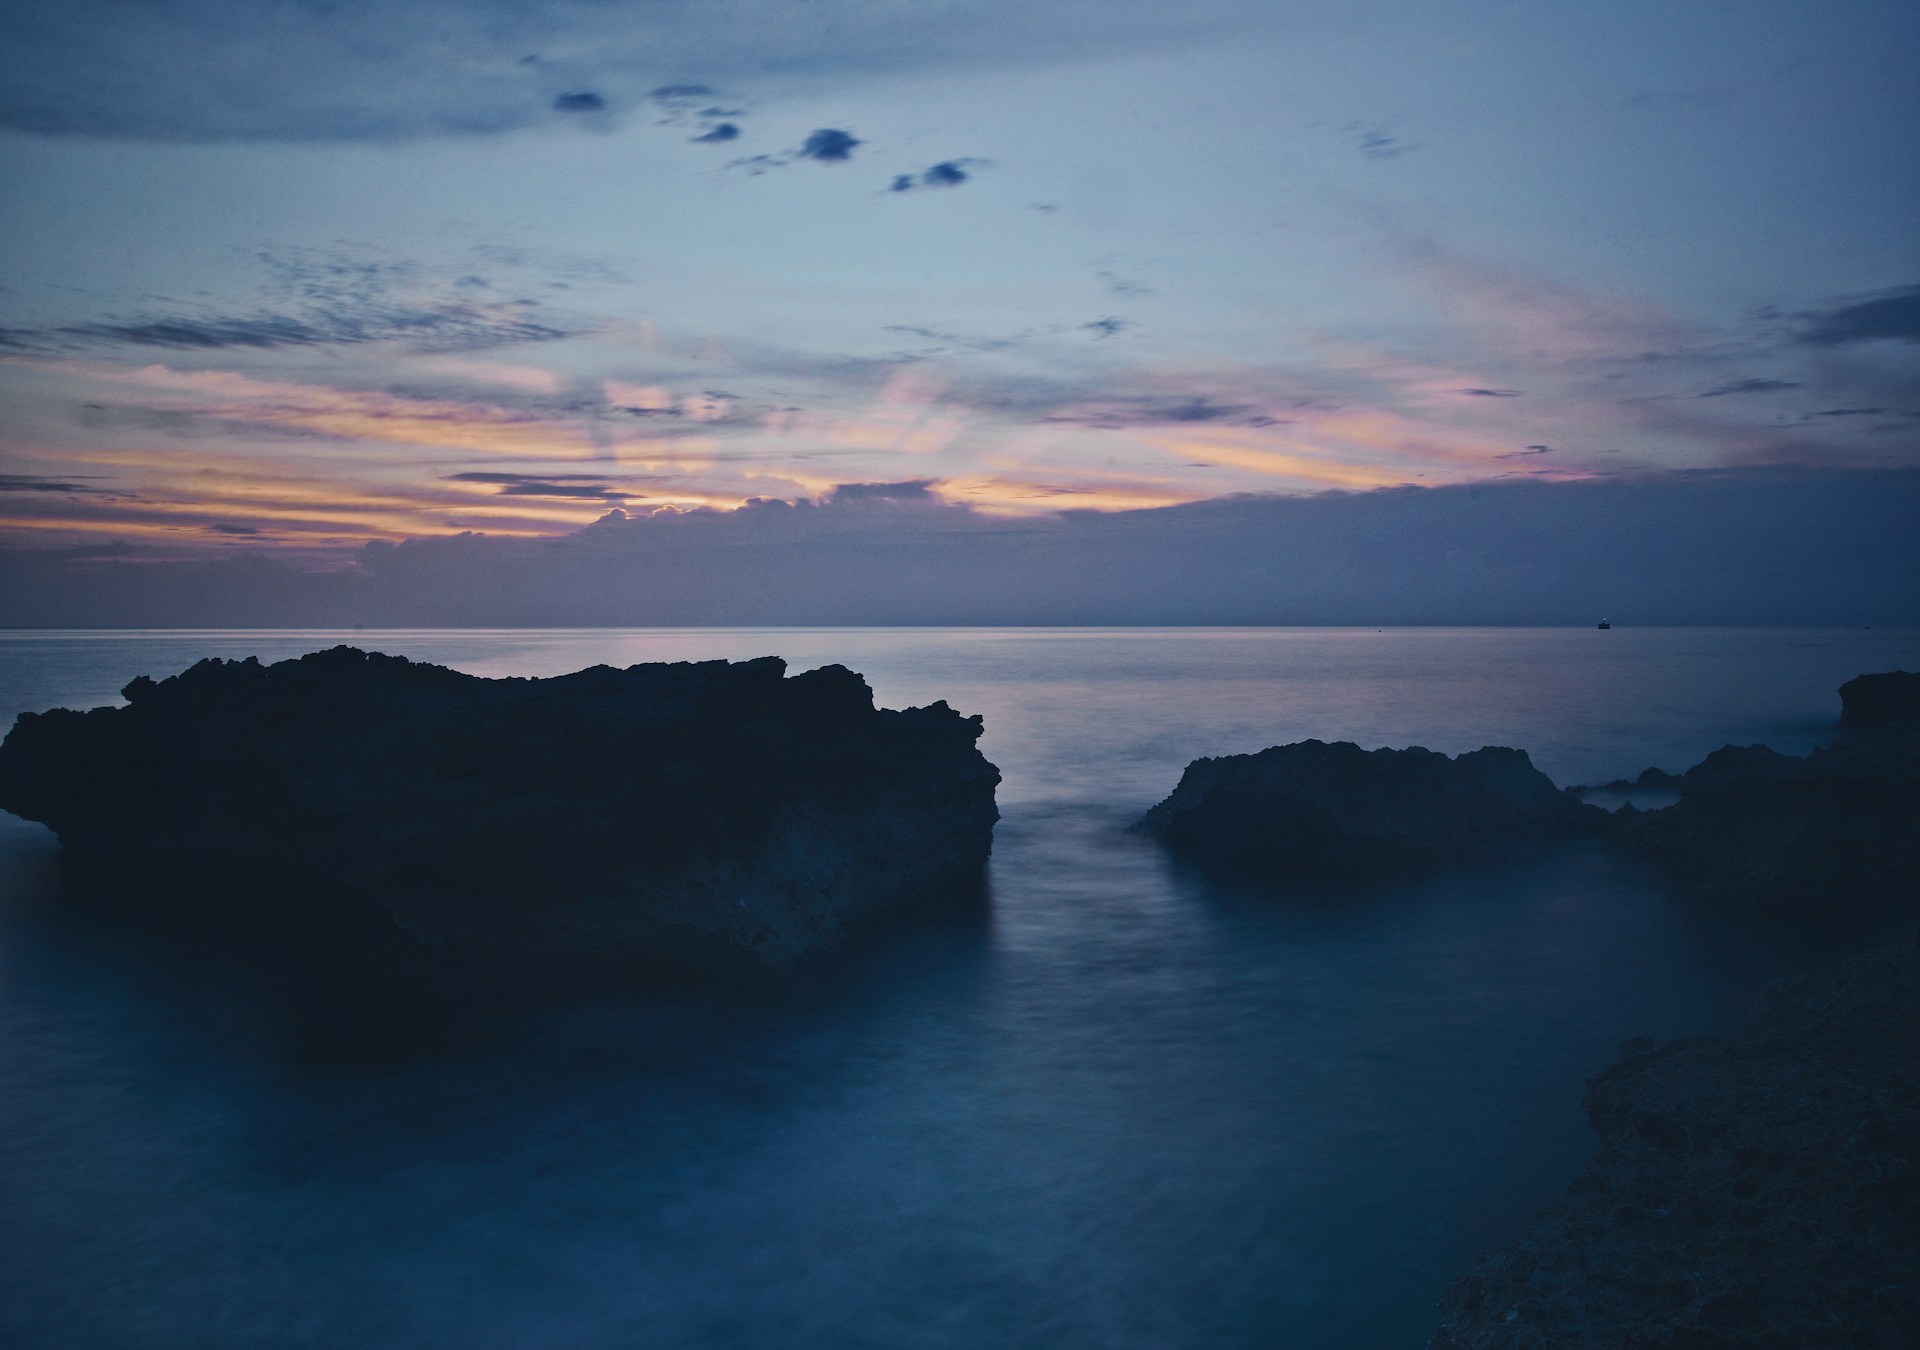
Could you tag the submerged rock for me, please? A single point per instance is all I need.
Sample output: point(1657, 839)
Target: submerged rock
point(712, 813)
point(1758, 1191)
point(1312, 807)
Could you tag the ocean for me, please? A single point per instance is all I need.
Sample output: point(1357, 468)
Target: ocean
point(1126, 1108)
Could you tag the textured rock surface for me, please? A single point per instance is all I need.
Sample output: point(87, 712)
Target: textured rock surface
point(1314, 807)
point(1762, 1191)
point(707, 812)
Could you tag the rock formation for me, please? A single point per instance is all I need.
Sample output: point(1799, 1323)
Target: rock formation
point(1755, 1192)
point(1886, 700)
point(1836, 830)
point(707, 813)
point(1336, 809)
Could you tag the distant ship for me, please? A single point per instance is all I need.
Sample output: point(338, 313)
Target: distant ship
point(1605, 624)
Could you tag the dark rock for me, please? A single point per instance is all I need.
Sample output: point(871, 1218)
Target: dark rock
point(1312, 807)
point(1762, 1191)
point(1885, 700)
point(1648, 780)
point(710, 813)
point(1837, 830)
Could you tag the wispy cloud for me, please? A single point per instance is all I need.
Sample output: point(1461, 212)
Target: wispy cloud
point(1884, 316)
point(1752, 386)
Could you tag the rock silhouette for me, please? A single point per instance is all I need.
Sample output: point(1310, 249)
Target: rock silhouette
point(1315, 808)
point(1886, 700)
point(1836, 830)
point(712, 814)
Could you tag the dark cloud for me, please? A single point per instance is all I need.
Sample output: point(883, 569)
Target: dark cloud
point(586, 102)
point(26, 482)
point(1107, 327)
point(301, 70)
point(223, 528)
point(1530, 450)
point(1118, 414)
point(1889, 316)
point(828, 145)
point(1492, 393)
point(1851, 412)
point(946, 344)
point(556, 485)
point(1751, 387)
point(691, 105)
point(1840, 548)
point(449, 328)
point(947, 173)
point(909, 490)
point(1375, 141)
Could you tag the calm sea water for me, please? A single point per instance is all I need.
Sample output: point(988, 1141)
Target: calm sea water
point(1127, 1110)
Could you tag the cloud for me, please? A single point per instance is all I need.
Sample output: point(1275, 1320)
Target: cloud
point(1530, 450)
point(947, 173)
point(1751, 387)
point(586, 102)
point(1840, 549)
point(1151, 409)
point(1119, 285)
point(692, 105)
point(1492, 393)
point(446, 327)
point(1851, 412)
point(25, 482)
point(296, 70)
point(909, 490)
point(1888, 316)
point(1107, 327)
point(557, 485)
point(316, 298)
point(1378, 143)
point(829, 145)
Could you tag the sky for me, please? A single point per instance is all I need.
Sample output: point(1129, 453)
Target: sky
point(301, 282)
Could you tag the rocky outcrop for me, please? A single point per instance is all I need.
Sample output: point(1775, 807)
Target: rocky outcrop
point(1836, 830)
point(708, 813)
point(1762, 1191)
point(1871, 701)
point(1336, 809)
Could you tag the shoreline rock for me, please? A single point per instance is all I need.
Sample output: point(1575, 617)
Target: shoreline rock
point(713, 814)
point(1757, 1191)
point(1837, 830)
point(1316, 808)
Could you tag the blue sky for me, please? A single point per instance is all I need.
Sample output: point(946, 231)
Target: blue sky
point(295, 277)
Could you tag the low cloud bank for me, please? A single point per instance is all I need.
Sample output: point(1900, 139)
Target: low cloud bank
point(1747, 547)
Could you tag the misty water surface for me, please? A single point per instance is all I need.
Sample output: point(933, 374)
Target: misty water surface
point(1129, 1109)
